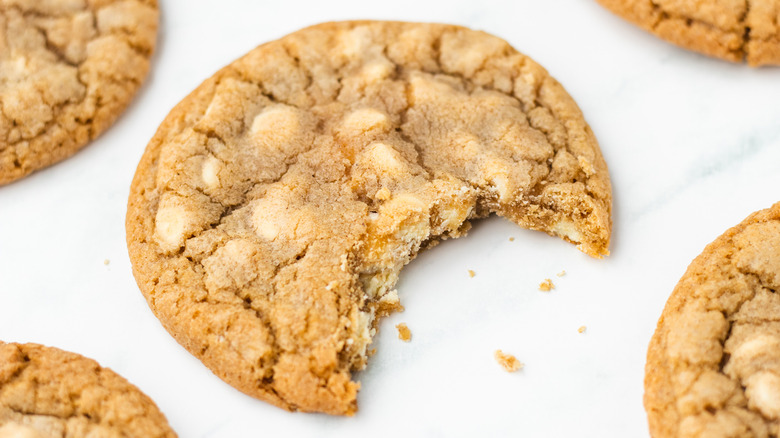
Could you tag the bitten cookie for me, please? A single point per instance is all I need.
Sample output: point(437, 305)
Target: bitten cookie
point(46, 392)
point(734, 30)
point(272, 212)
point(68, 68)
point(713, 366)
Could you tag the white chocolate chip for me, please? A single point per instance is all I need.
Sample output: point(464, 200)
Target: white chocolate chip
point(391, 298)
point(568, 230)
point(763, 392)
point(362, 336)
point(276, 125)
point(377, 285)
point(171, 224)
point(454, 215)
point(384, 158)
point(377, 70)
point(269, 217)
point(355, 42)
point(500, 177)
point(16, 430)
point(16, 68)
point(751, 349)
point(364, 120)
point(210, 172)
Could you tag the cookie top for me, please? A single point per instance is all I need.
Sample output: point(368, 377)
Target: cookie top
point(273, 210)
point(713, 366)
point(46, 392)
point(734, 30)
point(68, 68)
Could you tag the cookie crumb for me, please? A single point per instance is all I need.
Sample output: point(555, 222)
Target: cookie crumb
point(106, 262)
point(404, 333)
point(511, 239)
point(546, 286)
point(561, 274)
point(509, 362)
point(582, 329)
point(472, 273)
point(383, 194)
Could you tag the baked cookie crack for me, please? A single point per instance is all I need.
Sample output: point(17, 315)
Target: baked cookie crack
point(738, 31)
point(68, 70)
point(51, 392)
point(713, 363)
point(737, 49)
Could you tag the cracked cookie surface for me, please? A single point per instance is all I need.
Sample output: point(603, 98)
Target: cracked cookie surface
point(68, 68)
point(734, 30)
point(273, 210)
point(46, 392)
point(713, 365)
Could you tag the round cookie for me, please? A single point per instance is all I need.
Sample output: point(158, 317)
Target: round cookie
point(713, 365)
point(272, 212)
point(47, 392)
point(734, 30)
point(68, 68)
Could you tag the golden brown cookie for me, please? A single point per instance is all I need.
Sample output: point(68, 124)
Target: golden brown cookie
point(734, 30)
point(46, 392)
point(713, 366)
point(68, 68)
point(274, 208)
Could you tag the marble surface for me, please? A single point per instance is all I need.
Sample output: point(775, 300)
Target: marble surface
point(693, 146)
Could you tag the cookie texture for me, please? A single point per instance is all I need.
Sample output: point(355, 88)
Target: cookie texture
point(713, 365)
point(46, 392)
point(274, 208)
point(734, 30)
point(68, 68)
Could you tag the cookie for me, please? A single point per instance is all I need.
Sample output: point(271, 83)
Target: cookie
point(713, 365)
point(734, 30)
point(47, 392)
point(68, 68)
point(271, 213)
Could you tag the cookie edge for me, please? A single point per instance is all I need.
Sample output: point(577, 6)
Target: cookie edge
point(659, 400)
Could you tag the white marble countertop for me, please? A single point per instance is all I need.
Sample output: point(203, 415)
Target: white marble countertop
point(693, 147)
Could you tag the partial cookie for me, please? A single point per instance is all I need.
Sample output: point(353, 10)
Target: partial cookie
point(734, 30)
point(273, 210)
point(47, 392)
point(68, 68)
point(713, 366)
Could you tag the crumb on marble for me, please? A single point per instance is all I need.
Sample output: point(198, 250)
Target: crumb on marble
point(106, 262)
point(508, 362)
point(404, 333)
point(546, 286)
point(472, 273)
point(561, 274)
point(511, 239)
point(581, 329)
